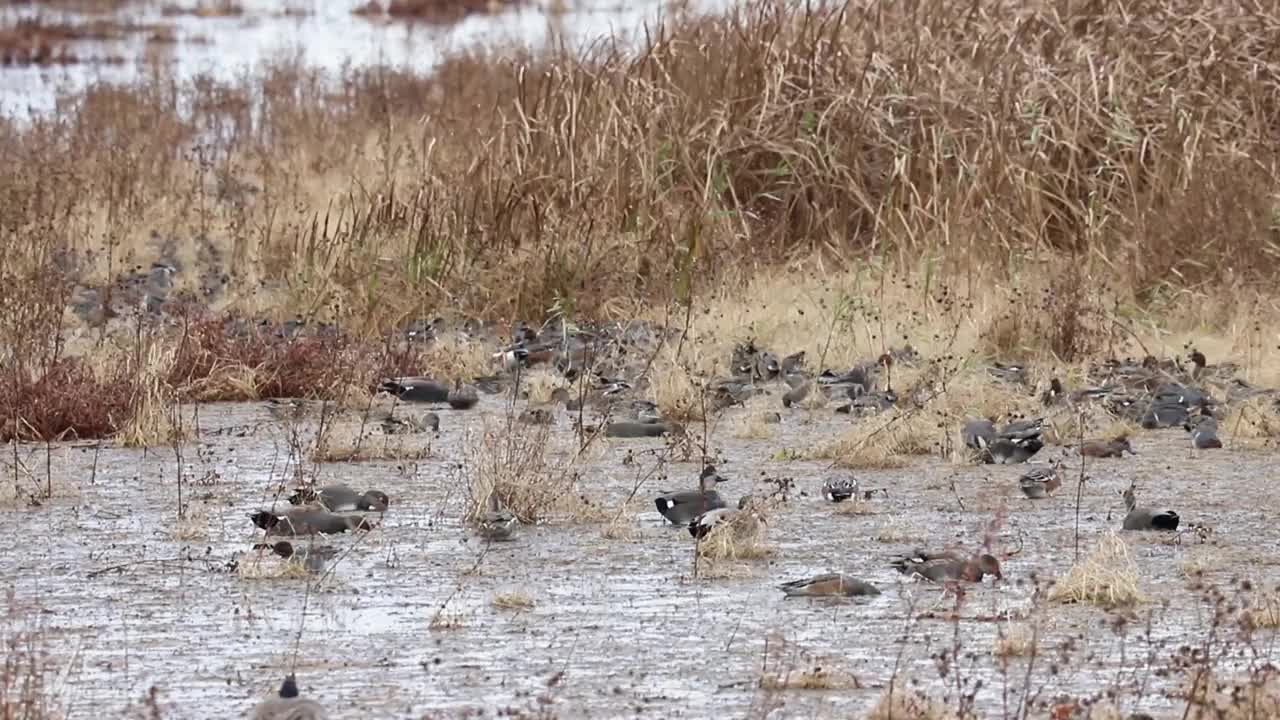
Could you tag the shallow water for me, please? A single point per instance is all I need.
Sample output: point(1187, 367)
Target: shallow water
point(619, 625)
point(317, 33)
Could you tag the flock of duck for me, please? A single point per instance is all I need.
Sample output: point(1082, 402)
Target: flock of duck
point(1151, 393)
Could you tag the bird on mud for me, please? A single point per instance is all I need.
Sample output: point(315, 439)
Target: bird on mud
point(1041, 482)
point(829, 585)
point(1114, 448)
point(948, 566)
point(339, 497)
point(838, 490)
point(308, 521)
point(1139, 518)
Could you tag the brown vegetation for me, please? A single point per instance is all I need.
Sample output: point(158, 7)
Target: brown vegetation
point(668, 177)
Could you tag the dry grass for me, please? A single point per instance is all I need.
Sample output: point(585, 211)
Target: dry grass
point(1016, 640)
point(30, 675)
point(1108, 576)
point(743, 538)
point(513, 600)
point(346, 443)
point(328, 199)
point(814, 678)
point(515, 462)
point(266, 565)
point(155, 416)
point(1254, 423)
point(678, 392)
point(193, 527)
point(453, 357)
point(1211, 697)
point(752, 426)
point(887, 441)
point(1264, 612)
point(901, 703)
point(539, 383)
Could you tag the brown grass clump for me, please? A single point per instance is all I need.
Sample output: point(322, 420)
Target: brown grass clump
point(887, 441)
point(1264, 612)
point(1254, 423)
point(752, 426)
point(452, 357)
point(901, 703)
point(154, 416)
point(194, 526)
point(514, 461)
point(346, 443)
point(1015, 641)
point(68, 400)
point(812, 678)
point(539, 383)
point(266, 565)
point(29, 674)
point(1256, 697)
point(679, 394)
point(227, 359)
point(742, 538)
point(1108, 577)
point(514, 600)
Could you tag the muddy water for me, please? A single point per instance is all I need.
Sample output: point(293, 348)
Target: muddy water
point(619, 626)
point(318, 33)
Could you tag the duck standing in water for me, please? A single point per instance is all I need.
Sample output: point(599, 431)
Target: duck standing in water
point(680, 508)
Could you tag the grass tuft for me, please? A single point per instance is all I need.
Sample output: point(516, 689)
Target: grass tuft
point(1107, 577)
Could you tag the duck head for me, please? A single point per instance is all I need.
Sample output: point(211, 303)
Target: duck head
point(374, 500)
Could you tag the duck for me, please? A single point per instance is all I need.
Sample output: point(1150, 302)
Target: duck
point(1012, 451)
point(497, 522)
point(838, 490)
point(978, 434)
point(288, 705)
point(829, 585)
point(1113, 448)
point(1145, 518)
point(1204, 432)
point(1008, 372)
point(312, 558)
point(417, 389)
point(1164, 413)
point(637, 429)
point(948, 566)
point(703, 524)
point(1054, 394)
point(340, 498)
point(793, 363)
point(680, 508)
point(798, 390)
point(462, 397)
point(767, 366)
point(1041, 482)
point(308, 521)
